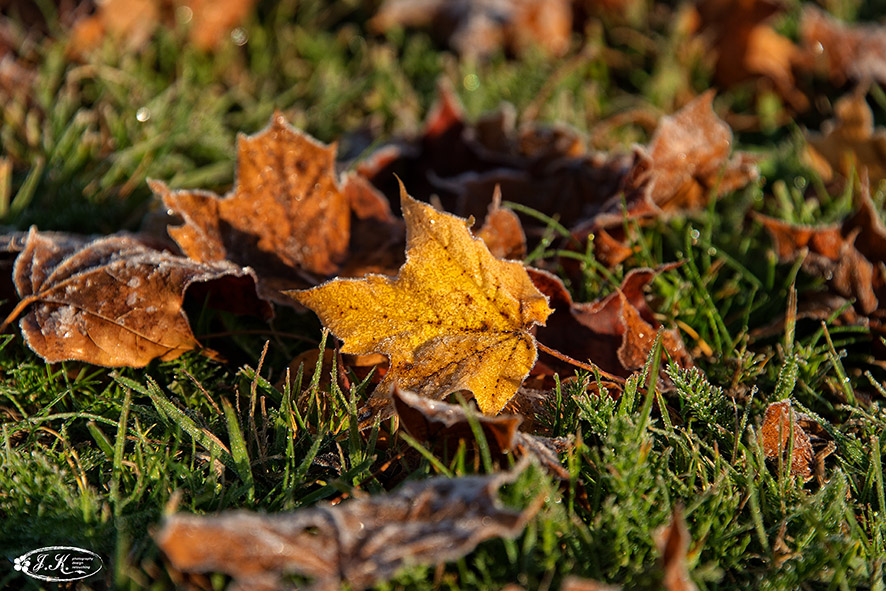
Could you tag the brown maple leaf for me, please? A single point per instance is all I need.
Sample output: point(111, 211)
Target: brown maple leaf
point(359, 542)
point(691, 157)
point(616, 333)
point(482, 27)
point(850, 255)
point(285, 217)
point(114, 301)
point(445, 425)
point(454, 318)
point(688, 162)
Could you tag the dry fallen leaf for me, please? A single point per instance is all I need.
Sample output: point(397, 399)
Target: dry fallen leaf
point(688, 162)
point(691, 156)
point(359, 542)
point(454, 318)
point(779, 424)
point(616, 333)
point(482, 27)
point(286, 214)
point(502, 231)
point(673, 544)
point(114, 301)
point(857, 52)
point(444, 425)
point(133, 22)
point(850, 142)
point(850, 255)
point(746, 47)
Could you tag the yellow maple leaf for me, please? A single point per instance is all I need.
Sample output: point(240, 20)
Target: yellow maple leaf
point(454, 318)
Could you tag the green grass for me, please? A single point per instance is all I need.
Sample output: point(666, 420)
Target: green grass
point(94, 457)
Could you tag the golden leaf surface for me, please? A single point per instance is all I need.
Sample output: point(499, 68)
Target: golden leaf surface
point(454, 318)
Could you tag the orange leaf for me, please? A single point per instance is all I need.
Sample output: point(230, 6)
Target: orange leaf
point(850, 142)
point(285, 215)
point(779, 424)
point(480, 27)
point(846, 51)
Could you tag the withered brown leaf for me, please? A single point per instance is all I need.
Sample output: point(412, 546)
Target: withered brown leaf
point(359, 542)
point(850, 255)
point(132, 22)
point(844, 51)
point(673, 544)
point(688, 162)
point(444, 425)
point(849, 142)
point(780, 424)
point(481, 27)
point(690, 156)
point(285, 216)
point(615, 333)
point(502, 231)
point(746, 47)
point(115, 301)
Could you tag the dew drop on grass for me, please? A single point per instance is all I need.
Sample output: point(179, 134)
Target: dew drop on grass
point(239, 36)
point(143, 114)
point(184, 14)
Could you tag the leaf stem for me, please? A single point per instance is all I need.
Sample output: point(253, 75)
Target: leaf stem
point(19, 308)
point(580, 364)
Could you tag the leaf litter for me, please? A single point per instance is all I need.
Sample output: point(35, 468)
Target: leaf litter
point(252, 236)
point(360, 542)
point(850, 255)
point(550, 170)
